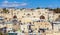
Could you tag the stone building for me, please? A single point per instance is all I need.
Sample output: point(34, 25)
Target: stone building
point(38, 16)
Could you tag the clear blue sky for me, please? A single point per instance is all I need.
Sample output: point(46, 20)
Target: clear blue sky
point(31, 3)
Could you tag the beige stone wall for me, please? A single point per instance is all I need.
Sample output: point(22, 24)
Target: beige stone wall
point(23, 14)
point(56, 15)
point(42, 25)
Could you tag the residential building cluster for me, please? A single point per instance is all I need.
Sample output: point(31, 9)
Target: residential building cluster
point(29, 20)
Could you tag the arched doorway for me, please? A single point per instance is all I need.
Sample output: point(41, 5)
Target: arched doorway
point(42, 17)
point(14, 16)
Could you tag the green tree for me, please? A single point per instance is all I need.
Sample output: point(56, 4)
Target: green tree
point(32, 9)
point(5, 10)
point(57, 10)
point(38, 8)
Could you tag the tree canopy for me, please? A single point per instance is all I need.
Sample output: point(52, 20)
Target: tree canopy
point(5, 10)
point(56, 10)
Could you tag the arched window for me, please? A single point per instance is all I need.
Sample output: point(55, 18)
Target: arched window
point(42, 17)
point(28, 15)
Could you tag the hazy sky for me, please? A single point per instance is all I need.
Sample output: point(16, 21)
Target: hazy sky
point(30, 3)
